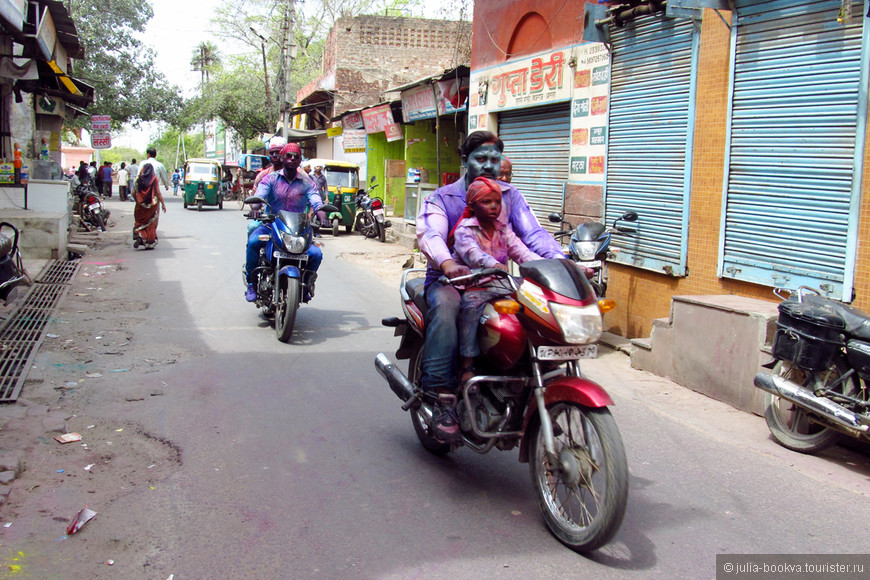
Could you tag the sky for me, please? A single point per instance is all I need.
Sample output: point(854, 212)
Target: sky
point(177, 27)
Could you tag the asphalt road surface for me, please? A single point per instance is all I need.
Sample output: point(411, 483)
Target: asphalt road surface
point(242, 457)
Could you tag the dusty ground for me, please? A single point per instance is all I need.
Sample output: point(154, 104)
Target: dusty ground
point(84, 377)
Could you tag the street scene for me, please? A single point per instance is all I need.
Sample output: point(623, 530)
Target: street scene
point(385, 289)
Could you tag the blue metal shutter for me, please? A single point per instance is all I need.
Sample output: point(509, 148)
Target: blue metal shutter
point(537, 141)
point(649, 162)
point(791, 189)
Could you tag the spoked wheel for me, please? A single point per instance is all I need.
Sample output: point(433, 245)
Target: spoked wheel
point(792, 426)
point(583, 492)
point(418, 418)
point(335, 224)
point(242, 196)
point(367, 225)
point(285, 311)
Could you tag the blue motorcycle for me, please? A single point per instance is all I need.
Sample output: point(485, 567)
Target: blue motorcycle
point(281, 277)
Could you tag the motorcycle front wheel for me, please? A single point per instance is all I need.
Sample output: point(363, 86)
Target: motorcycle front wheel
point(583, 493)
point(794, 427)
point(285, 311)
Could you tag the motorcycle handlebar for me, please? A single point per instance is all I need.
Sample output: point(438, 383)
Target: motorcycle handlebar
point(474, 277)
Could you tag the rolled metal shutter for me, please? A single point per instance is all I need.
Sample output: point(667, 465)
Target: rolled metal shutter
point(649, 162)
point(537, 141)
point(792, 192)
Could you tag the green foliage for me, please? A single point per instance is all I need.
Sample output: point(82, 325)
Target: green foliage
point(118, 65)
point(169, 151)
point(118, 154)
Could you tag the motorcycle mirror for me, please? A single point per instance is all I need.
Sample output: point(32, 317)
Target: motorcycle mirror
point(255, 199)
point(555, 217)
point(629, 216)
point(372, 179)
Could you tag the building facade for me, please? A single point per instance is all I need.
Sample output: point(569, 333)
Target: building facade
point(739, 136)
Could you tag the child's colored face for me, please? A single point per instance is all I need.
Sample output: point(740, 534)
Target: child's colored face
point(487, 208)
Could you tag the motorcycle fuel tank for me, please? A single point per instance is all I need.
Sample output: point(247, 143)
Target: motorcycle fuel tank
point(502, 338)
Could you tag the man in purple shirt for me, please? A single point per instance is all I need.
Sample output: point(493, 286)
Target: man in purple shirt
point(481, 156)
point(289, 190)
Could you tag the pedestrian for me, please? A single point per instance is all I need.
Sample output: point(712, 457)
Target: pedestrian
point(97, 176)
point(320, 180)
point(106, 171)
point(123, 181)
point(146, 194)
point(176, 179)
point(481, 240)
point(481, 156)
point(507, 172)
point(159, 168)
point(134, 173)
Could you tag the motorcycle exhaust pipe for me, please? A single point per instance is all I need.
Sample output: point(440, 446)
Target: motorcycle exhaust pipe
point(397, 380)
point(791, 391)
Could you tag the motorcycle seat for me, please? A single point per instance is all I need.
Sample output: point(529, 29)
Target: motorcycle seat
point(857, 323)
point(416, 290)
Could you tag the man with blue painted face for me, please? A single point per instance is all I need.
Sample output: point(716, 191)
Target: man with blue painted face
point(291, 190)
point(481, 156)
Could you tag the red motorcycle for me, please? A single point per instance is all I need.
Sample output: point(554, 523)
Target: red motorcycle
point(529, 393)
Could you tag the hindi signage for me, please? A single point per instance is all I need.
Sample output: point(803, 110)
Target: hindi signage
point(377, 118)
point(101, 140)
point(354, 141)
point(101, 123)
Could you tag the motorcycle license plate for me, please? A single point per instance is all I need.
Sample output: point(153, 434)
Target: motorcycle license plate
point(592, 264)
point(570, 352)
point(377, 212)
point(94, 206)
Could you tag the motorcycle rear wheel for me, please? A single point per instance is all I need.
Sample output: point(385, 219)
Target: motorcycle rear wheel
point(367, 225)
point(421, 427)
point(285, 311)
point(582, 499)
point(101, 224)
point(795, 428)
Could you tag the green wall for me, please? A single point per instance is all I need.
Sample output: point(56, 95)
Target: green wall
point(379, 150)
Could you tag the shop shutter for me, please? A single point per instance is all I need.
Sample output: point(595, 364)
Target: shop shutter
point(537, 141)
point(649, 169)
point(793, 170)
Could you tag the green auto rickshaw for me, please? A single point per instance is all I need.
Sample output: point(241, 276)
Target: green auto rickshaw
point(202, 183)
point(342, 180)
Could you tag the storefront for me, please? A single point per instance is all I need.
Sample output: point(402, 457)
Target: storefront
point(550, 109)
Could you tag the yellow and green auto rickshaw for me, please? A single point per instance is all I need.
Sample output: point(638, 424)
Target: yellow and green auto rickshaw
point(202, 183)
point(342, 181)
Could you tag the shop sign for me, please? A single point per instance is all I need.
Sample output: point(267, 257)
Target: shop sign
point(355, 141)
point(46, 35)
point(352, 121)
point(101, 123)
point(101, 140)
point(13, 12)
point(393, 131)
point(377, 118)
point(452, 95)
point(418, 103)
point(333, 132)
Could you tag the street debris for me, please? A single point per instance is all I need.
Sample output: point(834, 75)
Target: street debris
point(88, 466)
point(83, 517)
point(68, 438)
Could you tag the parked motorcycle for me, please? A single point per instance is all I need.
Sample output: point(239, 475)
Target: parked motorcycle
point(12, 272)
point(89, 208)
point(589, 243)
point(817, 390)
point(280, 277)
point(370, 220)
point(529, 394)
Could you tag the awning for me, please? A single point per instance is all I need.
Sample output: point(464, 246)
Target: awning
point(70, 89)
point(299, 134)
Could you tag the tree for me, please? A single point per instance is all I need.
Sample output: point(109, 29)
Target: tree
point(169, 151)
point(118, 65)
point(206, 58)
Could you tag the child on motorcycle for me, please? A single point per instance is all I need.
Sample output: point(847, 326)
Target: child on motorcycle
point(482, 240)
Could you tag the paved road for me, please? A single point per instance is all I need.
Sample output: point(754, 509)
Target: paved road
point(296, 460)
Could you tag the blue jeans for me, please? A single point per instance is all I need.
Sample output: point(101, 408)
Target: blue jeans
point(440, 351)
point(315, 256)
point(471, 308)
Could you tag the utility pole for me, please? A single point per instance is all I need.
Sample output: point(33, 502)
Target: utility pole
point(265, 72)
point(288, 53)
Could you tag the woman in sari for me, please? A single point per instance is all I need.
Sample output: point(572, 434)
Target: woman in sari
point(146, 193)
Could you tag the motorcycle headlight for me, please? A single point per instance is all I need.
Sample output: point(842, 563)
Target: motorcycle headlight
point(294, 244)
point(585, 250)
point(579, 324)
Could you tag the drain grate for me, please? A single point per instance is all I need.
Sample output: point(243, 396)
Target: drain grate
point(22, 333)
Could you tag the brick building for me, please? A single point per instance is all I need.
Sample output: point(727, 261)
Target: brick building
point(366, 55)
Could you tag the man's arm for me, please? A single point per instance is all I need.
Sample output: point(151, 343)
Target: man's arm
point(469, 251)
point(432, 231)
